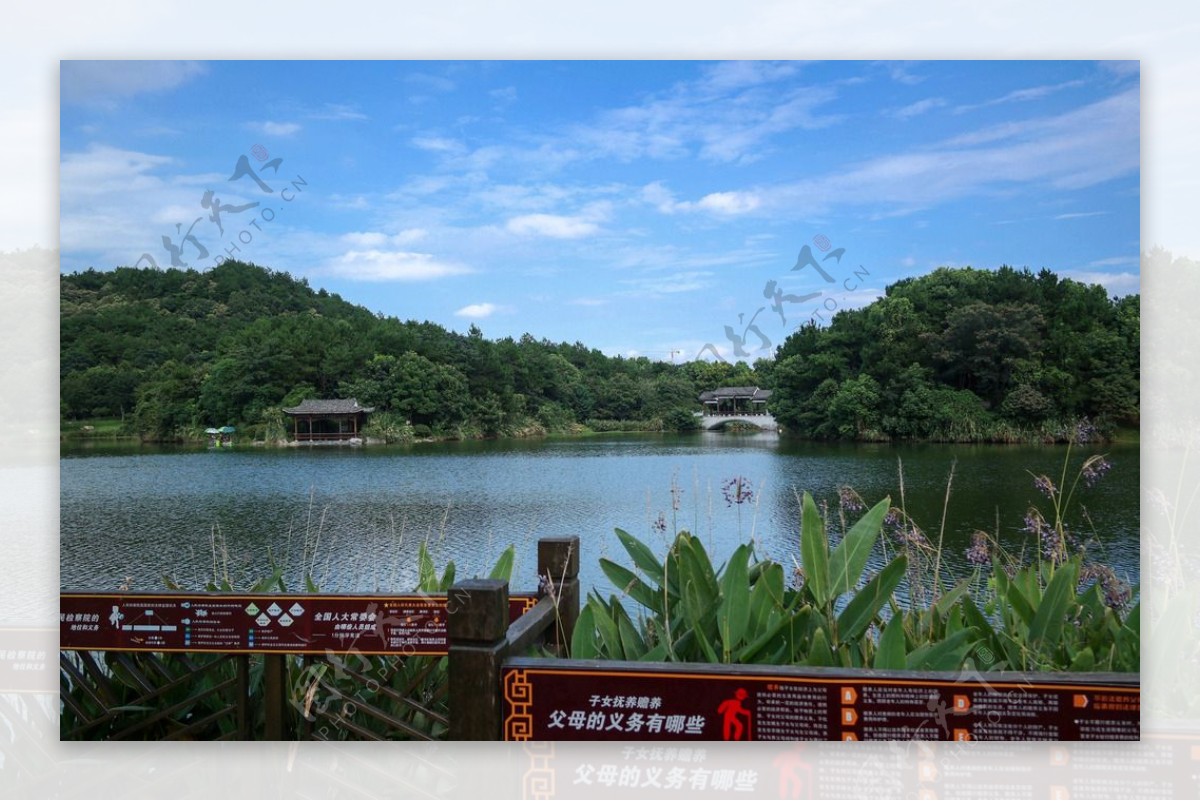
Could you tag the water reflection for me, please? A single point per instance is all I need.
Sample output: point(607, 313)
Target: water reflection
point(355, 518)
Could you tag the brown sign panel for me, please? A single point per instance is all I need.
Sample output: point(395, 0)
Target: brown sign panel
point(630, 701)
point(235, 623)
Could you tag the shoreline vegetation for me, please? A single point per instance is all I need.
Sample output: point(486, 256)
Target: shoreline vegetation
point(1048, 605)
point(957, 355)
point(113, 431)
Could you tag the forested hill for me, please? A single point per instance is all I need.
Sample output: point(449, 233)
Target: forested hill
point(959, 354)
point(966, 355)
point(172, 352)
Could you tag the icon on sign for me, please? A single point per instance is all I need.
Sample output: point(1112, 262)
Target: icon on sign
point(285, 620)
point(297, 610)
point(251, 610)
point(732, 710)
point(273, 610)
point(262, 620)
point(116, 617)
point(186, 604)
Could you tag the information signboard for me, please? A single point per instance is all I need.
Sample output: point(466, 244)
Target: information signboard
point(628, 701)
point(252, 623)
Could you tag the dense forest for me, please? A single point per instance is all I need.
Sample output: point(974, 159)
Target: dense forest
point(966, 355)
point(962, 354)
point(171, 352)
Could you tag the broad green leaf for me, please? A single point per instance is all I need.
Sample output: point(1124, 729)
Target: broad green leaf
point(867, 602)
point(819, 652)
point(695, 605)
point(426, 575)
point(764, 638)
point(629, 583)
point(1084, 661)
point(733, 614)
point(948, 600)
point(448, 578)
point(610, 637)
point(631, 642)
point(641, 554)
point(656, 654)
point(583, 640)
point(1047, 624)
point(814, 551)
point(268, 583)
point(848, 559)
point(709, 652)
point(947, 654)
point(1020, 604)
point(698, 568)
point(504, 565)
point(766, 596)
point(890, 655)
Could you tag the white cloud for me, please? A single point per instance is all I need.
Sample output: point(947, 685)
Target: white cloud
point(396, 265)
point(1022, 95)
point(1075, 215)
point(670, 284)
point(729, 203)
point(478, 311)
point(435, 83)
point(590, 302)
point(721, 203)
point(917, 108)
point(103, 82)
point(377, 239)
point(505, 95)
point(1117, 284)
point(1115, 261)
point(437, 144)
point(338, 111)
point(101, 169)
point(555, 226)
point(270, 128)
point(1073, 150)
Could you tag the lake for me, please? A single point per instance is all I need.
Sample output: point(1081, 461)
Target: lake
point(355, 517)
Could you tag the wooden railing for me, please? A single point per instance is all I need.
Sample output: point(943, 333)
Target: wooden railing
point(262, 666)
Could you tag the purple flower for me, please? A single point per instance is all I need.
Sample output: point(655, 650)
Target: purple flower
point(737, 490)
point(1116, 593)
point(1085, 431)
point(978, 553)
point(1094, 470)
point(1044, 485)
point(850, 500)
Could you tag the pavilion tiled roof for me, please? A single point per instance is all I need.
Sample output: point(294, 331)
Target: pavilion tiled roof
point(333, 406)
point(727, 393)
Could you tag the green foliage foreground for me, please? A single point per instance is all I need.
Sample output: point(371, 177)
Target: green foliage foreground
point(1045, 616)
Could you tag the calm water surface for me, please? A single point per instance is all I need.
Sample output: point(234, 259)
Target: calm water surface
point(356, 517)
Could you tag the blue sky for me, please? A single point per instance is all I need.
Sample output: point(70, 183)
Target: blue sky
point(638, 207)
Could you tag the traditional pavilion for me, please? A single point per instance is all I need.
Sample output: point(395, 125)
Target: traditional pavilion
point(328, 420)
point(735, 400)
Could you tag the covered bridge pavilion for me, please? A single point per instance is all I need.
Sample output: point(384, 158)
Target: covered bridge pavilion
point(735, 400)
point(328, 420)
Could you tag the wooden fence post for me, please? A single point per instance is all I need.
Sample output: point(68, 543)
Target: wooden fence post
point(558, 564)
point(477, 627)
point(275, 697)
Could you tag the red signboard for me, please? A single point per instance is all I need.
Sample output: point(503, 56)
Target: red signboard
point(594, 701)
point(234, 623)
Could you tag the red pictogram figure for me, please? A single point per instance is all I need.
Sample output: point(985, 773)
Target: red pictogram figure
point(732, 710)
